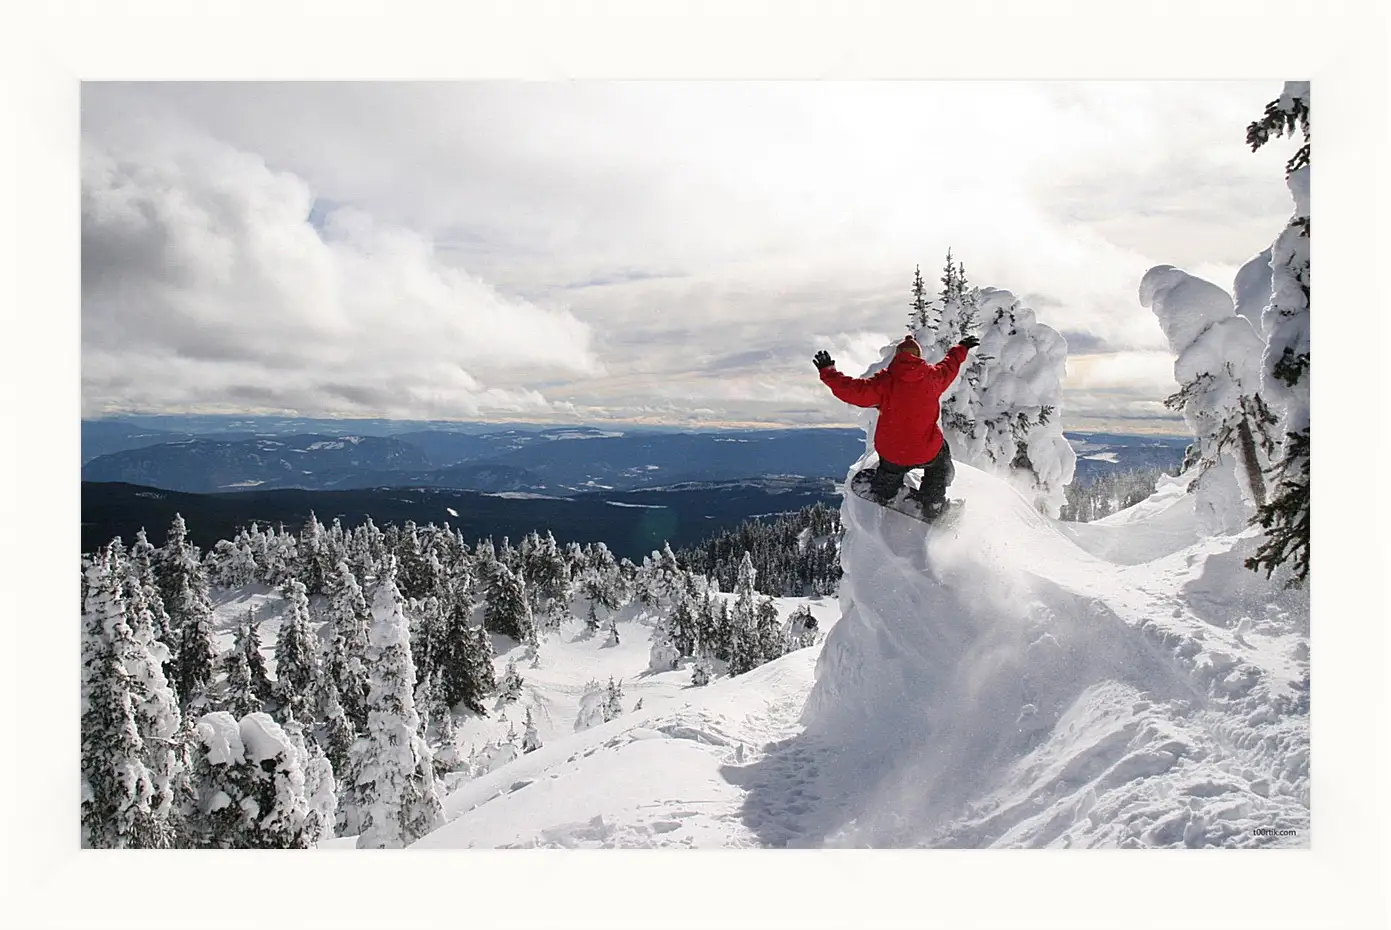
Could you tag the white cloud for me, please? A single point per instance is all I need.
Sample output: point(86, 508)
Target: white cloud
point(204, 281)
point(598, 243)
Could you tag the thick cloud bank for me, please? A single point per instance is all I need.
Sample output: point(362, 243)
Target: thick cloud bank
point(212, 281)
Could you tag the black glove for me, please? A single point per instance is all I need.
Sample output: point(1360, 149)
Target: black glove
point(823, 359)
point(970, 342)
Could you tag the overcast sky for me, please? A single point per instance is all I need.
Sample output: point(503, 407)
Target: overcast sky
point(652, 252)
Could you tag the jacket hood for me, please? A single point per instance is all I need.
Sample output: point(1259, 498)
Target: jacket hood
point(908, 367)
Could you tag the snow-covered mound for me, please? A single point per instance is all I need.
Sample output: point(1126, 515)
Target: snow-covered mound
point(1018, 683)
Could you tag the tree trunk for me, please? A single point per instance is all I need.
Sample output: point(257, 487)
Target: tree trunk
point(1249, 458)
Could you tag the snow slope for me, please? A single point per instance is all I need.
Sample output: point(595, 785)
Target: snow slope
point(1025, 683)
point(1015, 682)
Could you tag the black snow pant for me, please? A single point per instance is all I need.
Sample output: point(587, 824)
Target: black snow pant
point(887, 480)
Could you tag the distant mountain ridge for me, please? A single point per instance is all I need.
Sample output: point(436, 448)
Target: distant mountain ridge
point(561, 461)
point(554, 461)
point(631, 523)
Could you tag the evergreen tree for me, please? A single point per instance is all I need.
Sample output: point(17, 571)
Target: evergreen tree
point(1285, 325)
point(547, 580)
point(531, 741)
point(1001, 412)
point(116, 788)
point(744, 647)
point(511, 688)
point(1218, 370)
point(920, 317)
point(250, 785)
point(448, 757)
point(156, 706)
point(315, 568)
point(296, 660)
point(613, 700)
point(184, 589)
point(256, 661)
point(701, 673)
point(349, 620)
point(393, 775)
point(507, 611)
point(339, 734)
point(601, 580)
point(321, 795)
point(143, 558)
point(460, 662)
point(239, 697)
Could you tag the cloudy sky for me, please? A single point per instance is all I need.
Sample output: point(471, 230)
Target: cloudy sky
point(635, 252)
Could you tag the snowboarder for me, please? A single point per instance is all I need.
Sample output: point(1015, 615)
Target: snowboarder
point(908, 394)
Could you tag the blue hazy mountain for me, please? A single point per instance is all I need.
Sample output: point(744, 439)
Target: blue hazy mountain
point(557, 461)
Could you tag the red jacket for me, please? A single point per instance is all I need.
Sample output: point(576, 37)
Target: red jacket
point(908, 394)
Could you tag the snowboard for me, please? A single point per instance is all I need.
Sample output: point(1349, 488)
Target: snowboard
point(902, 503)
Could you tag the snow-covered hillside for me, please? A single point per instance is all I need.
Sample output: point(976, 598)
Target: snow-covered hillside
point(1016, 681)
point(1025, 683)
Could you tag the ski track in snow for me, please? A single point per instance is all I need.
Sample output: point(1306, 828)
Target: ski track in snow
point(1017, 682)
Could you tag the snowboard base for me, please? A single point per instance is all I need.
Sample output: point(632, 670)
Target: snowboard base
point(902, 503)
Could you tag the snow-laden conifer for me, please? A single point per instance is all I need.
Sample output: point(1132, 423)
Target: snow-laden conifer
point(249, 784)
point(1003, 411)
point(1218, 371)
point(392, 774)
point(184, 589)
point(1285, 359)
point(117, 793)
point(296, 658)
point(348, 619)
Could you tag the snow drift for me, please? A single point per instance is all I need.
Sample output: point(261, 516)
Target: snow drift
point(1006, 684)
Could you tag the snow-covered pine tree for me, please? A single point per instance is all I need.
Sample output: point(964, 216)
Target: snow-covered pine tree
point(613, 700)
point(116, 788)
point(801, 628)
point(531, 740)
point(771, 637)
point(663, 655)
point(744, 647)
point(320, 786)
point(921, 316)
point(448, 756)
point(593, 702)
point(349, 620)
point(184, 590)
point(507, 611)
point(261, 684)
point(239, 696)
point(156, 706)
point(510, 689)
point(1218, 371)
point(1002, 413)
point(547, 581)
point(701, 672)
point(249, 784)
point(314, 566)
point(296, 659)
point(601, 580)
point(392, 771)
point(339, 734)
point(142, 560)
point(1285, 360)
point(427, 639)
point(466, 655)
point(682, 626)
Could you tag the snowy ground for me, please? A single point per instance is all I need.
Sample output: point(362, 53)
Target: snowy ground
point(1018, 682)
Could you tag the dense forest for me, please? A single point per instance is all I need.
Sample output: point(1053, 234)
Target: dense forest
point(385, 637)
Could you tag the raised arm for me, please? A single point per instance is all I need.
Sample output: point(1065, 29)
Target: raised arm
point(862, 392)
point(945, 371)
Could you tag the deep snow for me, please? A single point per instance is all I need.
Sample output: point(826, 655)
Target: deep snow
point(1017, 681)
